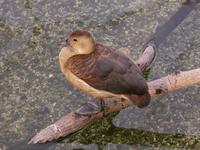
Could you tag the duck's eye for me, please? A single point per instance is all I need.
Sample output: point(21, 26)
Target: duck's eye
point(75, 40)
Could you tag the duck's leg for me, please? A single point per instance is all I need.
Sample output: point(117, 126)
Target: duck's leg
point(92, 107)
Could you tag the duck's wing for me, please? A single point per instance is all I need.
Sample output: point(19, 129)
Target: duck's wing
point(113, 71)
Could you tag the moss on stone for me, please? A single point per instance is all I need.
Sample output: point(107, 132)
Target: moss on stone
point(37, 30)
point(103, 132)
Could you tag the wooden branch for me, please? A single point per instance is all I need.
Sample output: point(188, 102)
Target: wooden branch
point(73, 121)
point(148, 56)
point(175, 81)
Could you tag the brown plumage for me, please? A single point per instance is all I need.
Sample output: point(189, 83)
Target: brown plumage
point(102, 71)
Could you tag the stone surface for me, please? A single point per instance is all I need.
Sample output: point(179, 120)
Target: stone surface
point(33, 91)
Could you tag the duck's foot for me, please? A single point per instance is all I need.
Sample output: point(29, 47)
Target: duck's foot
point(92, 108)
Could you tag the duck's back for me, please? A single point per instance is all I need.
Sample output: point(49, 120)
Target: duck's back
point(109, 70)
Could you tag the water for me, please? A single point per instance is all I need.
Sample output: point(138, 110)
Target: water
point(34, 93)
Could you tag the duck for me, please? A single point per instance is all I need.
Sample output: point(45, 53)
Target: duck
point(101, 71)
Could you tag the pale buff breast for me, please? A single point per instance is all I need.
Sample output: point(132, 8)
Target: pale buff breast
point(80, 84)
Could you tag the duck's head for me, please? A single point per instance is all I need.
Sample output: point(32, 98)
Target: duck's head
point(81, 42)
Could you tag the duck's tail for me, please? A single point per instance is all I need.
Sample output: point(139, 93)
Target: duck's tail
point(140, 101)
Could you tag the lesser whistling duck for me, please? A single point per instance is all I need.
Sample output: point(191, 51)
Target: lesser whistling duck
point(102, 71)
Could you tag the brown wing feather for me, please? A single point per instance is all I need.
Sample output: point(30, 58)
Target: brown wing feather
point(110, 70)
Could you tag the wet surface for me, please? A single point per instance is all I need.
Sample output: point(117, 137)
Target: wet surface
point(33, 91)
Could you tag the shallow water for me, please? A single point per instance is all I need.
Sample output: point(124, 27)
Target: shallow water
point(33, 91)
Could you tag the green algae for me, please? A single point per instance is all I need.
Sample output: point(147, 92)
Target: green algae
point(6, 33)
point(103, 132)
point(27, 4)
point(37, 30)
